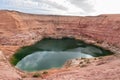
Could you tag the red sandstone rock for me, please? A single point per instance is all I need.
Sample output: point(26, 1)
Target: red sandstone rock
point(17, 28)
point(20, 29)
point(7, 72)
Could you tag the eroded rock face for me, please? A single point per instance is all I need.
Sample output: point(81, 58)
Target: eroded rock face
point(20, 29)
point(7, 72)
point(24, 29)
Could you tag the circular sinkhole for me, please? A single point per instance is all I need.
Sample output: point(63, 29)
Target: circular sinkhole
point(53, 53)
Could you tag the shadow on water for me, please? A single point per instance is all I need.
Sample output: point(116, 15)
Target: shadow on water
point(49, 53)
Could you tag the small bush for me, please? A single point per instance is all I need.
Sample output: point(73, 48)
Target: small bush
point(36, 75)
point(45, 72)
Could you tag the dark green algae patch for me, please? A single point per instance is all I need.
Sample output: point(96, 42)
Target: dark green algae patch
point(49, 53)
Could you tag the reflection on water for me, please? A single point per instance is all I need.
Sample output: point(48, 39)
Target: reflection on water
point(49, 53)
point(48, 59)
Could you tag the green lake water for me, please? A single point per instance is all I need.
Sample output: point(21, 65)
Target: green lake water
point(53, 53)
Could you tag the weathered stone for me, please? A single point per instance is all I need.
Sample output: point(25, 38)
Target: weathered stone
point(24, 29)
point(20, 29)
point(7, 72)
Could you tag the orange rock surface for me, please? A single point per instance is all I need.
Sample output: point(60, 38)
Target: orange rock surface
point(20, 29)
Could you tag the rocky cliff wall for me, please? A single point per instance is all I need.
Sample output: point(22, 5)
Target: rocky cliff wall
point(25, 29)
